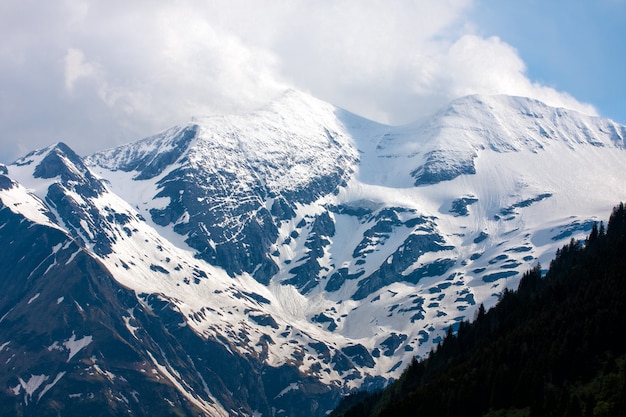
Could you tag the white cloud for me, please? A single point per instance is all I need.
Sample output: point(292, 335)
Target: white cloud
point(76, 68)
point(170, 62)
point(490, 66)
point(98, 74)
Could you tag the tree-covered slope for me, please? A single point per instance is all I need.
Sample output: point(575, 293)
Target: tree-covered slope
point(554, 347)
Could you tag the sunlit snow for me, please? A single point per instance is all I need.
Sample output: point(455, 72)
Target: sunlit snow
point(527, 177)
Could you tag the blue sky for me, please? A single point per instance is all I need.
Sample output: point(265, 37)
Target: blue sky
point(578, 46)
point(98, 74)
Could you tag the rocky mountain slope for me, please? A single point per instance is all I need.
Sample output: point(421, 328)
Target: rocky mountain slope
point(317, 250)
point(550, 348)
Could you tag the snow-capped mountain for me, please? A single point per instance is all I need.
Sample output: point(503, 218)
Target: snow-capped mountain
point(316, 250)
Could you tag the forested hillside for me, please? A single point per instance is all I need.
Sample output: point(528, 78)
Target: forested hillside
point(554, 347)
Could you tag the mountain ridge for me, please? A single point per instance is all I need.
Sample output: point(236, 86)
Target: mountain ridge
point(323, 244)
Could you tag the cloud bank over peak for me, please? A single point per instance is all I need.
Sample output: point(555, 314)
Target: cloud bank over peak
point(97, 75)
point(475, 65)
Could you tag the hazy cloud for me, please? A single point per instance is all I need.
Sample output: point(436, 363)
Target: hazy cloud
point(76, 68)
point(97, 74)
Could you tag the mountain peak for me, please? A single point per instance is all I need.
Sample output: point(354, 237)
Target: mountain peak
point(293, 110)
point(503, 107)
point(508, 123)
point(293, 98)
point(52, 161)
point(59, 159)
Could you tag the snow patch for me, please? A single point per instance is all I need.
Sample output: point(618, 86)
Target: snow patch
point(212, 409)
point(291, 387)
point(110, 375)
point(132, 329)
point(50, 385)
point(33, 383)
point(6, 314)
point(20, 201)
point(33, 298)
point(55, 346)
point(52, 265)
point(75, 346)
point(71, 258)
